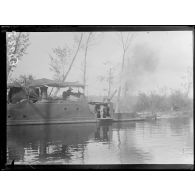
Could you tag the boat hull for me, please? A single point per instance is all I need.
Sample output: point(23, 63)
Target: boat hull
point(28, 113)
point(31, 122)
point(49, 113)
point(50, 121)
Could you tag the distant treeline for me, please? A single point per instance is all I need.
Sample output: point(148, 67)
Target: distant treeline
point(153, 102)
point(176, 101)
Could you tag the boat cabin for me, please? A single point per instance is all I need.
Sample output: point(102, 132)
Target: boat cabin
point(103, 110)
point(44, 90)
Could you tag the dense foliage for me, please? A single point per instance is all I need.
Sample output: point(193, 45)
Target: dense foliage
point(17, 44)
point(176, 101)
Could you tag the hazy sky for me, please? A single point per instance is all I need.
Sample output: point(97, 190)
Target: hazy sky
point(172, 52)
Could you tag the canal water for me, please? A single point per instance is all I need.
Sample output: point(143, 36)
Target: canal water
point(164, 141)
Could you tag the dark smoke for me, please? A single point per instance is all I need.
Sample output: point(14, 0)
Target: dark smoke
point(142, 62)
point(144, 59)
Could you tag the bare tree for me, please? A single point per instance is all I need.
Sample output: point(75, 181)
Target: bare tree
point(62, 60)
point(17, 44)
point(125, 40)
point(59, 61)
point(90, 41)
point(187, 81)
point(85, 58)
point(108, 80)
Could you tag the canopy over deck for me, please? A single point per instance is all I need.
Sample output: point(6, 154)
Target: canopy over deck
point(10, 85)
point(98, 103)
point(47, 82)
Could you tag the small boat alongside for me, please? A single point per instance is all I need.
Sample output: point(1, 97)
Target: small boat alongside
point(105, 113)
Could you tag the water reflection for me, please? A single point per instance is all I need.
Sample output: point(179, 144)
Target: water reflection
point(162, 141)
point(102, 133)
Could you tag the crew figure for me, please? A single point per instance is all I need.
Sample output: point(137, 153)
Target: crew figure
point(102, 111)
point(108, 110)
point(67, 93)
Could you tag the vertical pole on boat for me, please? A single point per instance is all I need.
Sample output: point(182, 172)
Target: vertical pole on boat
point(109, 82)
point(120, 83)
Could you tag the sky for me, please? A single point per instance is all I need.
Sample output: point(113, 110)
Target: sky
point(169, 53)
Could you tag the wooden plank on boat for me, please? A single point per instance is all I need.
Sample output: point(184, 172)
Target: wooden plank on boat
point(45, 122)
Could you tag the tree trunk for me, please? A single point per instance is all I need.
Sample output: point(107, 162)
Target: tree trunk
point(71, 64)
point(85, 61)
point(120, 82)
point(73, 59)
point(109, 83)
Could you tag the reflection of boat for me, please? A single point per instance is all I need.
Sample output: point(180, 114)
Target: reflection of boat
point(34, 105)
point(48, 143)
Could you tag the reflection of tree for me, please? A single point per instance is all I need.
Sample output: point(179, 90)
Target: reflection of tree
point(97, 133)
point(179, 125)
point(128, 151)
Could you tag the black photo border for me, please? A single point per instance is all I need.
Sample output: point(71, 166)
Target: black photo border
point(77, 28)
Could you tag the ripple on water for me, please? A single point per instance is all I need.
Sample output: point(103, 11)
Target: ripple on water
point(162, 141)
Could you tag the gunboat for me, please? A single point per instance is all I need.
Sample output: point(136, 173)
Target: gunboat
point(34, 105)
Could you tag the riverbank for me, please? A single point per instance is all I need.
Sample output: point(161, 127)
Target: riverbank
point(174, 114)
